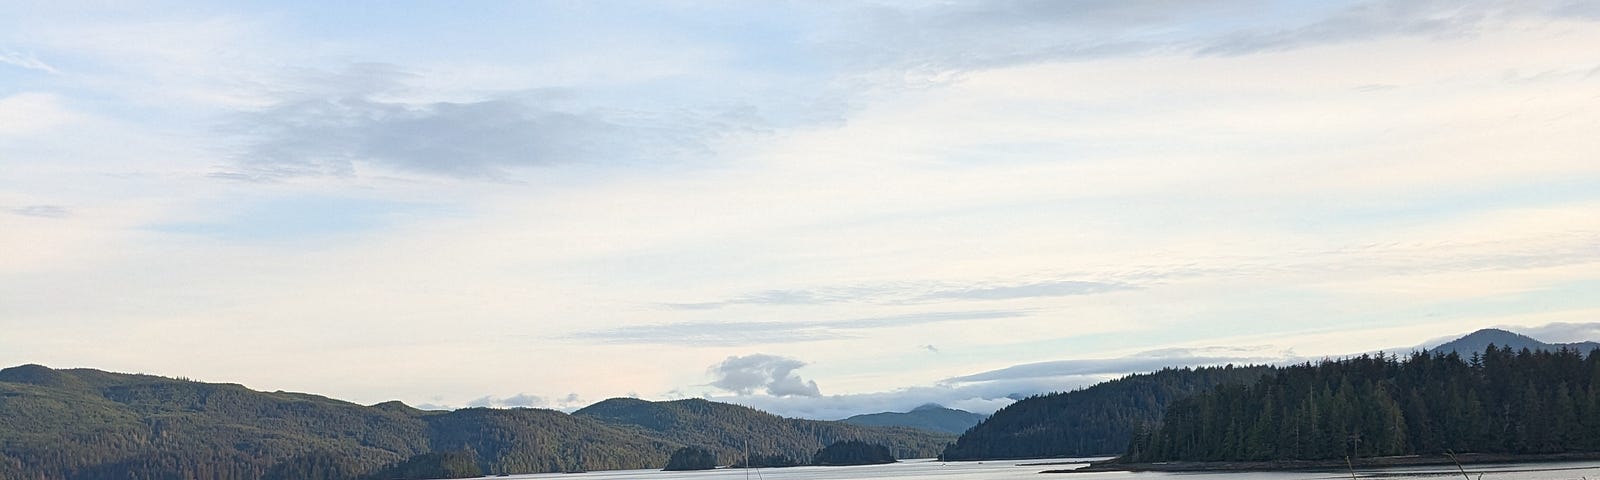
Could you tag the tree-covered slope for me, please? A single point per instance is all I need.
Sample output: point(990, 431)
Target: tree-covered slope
point(85, 424)
point(1524, 402)
point(725, 429)
point(89, 424)
point(538, 440)
point(927, 417)
point(1098, 420)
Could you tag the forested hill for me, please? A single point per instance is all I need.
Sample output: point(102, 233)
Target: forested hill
point(86, 424)
point(1476, 342)
point(1518, 402)
point(726, 429)
point(1099, 420)
point(927, 417)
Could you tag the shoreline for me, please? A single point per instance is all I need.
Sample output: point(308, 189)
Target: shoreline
point(1330, 465)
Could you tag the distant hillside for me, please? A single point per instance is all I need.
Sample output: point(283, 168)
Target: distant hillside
point(86, 424)
point(725, 429)
point(927, 417)
point(1099, 420)
point(1476, 342)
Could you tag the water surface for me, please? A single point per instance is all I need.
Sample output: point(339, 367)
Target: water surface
point(1029, 469)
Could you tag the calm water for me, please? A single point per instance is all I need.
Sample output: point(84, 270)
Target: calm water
point(1021, 470)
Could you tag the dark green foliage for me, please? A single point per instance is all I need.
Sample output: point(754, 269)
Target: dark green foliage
point(852, 452)
point(537, 440)
point(457, 464)
point(727, 430)
point(92, 425)
point(926, 417)
point(1506, 402)
point(768, 461)
point(317, 465)
point(1098, 420)
point(691, 458)
point(86, 424)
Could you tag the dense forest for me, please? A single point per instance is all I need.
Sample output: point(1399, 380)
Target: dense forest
point(730, 430)
point(1098, 420)
point(767, 461)
point(1503, 401)
point(83, 424)
point(852, 452)
point(846, 452)
point(691, 458)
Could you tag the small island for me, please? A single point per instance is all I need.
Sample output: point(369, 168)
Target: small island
point(852, 452)
point(691, 458)
point(767, 461)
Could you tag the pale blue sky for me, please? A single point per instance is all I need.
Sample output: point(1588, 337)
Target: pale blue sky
point(814, 208)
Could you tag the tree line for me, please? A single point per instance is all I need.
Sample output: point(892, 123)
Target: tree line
point(1500, 401)
point(846, 452)
point(1098, 420)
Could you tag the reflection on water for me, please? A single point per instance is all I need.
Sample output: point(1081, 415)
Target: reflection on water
point(1030, 469)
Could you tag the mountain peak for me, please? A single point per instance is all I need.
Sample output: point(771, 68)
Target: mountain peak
point(35, 374)
point(931, 416)
point(1478, 341)
point(395, 406)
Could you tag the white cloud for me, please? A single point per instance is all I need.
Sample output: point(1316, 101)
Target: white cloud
point(772, 374)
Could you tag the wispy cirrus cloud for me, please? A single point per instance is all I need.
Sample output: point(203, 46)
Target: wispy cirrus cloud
point(1377, 19)
point(41, 211)
point(974, 35)
point(906, 293)
point(1055, 288)
point(767, 332)
point(299, 217)
point(27, 61)
point(1377, 257)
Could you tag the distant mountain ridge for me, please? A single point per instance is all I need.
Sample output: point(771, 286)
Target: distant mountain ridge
point(84, 424)
point(932, 417)
point(1477, 342)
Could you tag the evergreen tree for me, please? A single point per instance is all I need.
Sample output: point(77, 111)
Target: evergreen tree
point(1499, 402)
point(691, 458)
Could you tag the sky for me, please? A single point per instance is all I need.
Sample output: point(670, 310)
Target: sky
point(813, 208)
